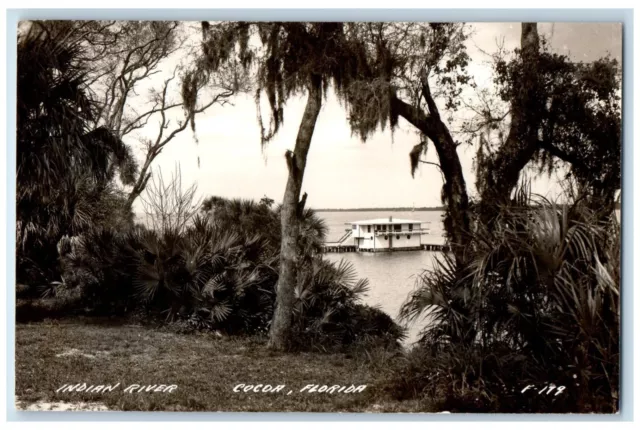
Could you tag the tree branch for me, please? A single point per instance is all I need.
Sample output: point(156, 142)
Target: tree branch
point(426, 93)
point(562, 155)
point(434, 164)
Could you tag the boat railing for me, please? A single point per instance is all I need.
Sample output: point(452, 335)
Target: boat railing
point(400, 232)
point(415, 230)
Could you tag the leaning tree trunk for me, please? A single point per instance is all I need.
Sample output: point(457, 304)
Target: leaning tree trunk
point(454, 190)
point(501, 173)
point(456, 220)
point(280, 333)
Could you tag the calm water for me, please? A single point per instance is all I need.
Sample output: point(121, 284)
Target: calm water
point(391, 275)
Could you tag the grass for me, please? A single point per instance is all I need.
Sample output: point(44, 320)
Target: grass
point(205, 368)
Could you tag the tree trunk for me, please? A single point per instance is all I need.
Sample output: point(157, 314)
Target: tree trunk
point(138, 188)
point(280, 333)
point(454, 190)
point(502, 170)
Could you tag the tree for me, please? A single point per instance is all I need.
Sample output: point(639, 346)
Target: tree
point(287, 59)
point(65, 165)
point(502, 171)
point(534, 270)
point(404, 69)
point(575, 117)
point(408, 68)
point(127, 58)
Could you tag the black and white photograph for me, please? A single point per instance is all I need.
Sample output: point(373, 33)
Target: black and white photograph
point(314, 216)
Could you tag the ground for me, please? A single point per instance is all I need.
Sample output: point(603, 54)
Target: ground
point(205, 368)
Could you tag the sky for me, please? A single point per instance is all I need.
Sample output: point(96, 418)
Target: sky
point(342, 171)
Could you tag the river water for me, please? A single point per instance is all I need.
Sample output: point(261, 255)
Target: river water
point(392, 275)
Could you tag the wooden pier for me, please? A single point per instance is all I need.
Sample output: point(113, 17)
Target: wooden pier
point(352, 248)
point(436, 247)
point(338, 248)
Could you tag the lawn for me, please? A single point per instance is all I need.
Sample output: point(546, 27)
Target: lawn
point(204, 367)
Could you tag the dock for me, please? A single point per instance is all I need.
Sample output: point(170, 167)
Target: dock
point(336, 248)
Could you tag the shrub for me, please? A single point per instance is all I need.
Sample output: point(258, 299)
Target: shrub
point(220, 276)
point(99, 265)
point(537, 303)
point(328, 312)
point(214, 278)
point(473, 378)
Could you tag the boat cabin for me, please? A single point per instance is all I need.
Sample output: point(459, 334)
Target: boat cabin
point(387, 234)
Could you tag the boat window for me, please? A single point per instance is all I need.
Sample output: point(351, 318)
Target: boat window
point(397, 236)
point(397, 227)
point(408, 236)
point(368, 229)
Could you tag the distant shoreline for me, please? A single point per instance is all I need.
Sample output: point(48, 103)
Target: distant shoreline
point(407, 209)
point(400, 209)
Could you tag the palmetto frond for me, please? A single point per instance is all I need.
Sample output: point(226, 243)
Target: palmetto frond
point(65, 165)
point(220, 311)
point(148, 281)
point(541, 282)
point(214, 284)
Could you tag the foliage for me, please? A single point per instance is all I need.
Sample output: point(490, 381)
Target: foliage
point(576, 112)
point(279, 58)
point(327, 310)
point(216, 277)
point(65, 165)
point(580, 115)
point(133, 88)
point(97, 267)
point(397, 60)
point(56, 113)
point(365, 63)
point(538, 302)
point(208, 276)
point(246, 217)
point(220, 273)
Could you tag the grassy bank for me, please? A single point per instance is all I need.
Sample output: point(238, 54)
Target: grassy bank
point(205, 368)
